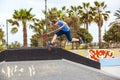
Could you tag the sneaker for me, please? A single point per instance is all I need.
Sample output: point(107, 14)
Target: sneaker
point(80, 40)
point(50, 44)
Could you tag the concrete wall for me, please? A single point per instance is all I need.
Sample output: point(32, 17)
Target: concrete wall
point(98, 53)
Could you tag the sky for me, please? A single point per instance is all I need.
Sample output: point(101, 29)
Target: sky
point(7, 8)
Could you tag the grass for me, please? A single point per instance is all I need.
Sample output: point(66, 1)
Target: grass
point(69, 47)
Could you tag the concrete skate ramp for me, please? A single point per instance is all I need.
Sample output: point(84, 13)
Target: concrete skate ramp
point(41, 64)
point(50, 70)
point(43, 54)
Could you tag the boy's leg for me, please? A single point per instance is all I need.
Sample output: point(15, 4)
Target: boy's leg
point(69, 37)
point(56, 35)
point(54, 38)
point(75, 40)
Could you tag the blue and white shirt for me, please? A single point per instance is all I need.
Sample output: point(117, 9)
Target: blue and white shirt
point(65, 28)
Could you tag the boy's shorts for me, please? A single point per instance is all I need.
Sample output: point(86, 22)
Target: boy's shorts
point(67, 33)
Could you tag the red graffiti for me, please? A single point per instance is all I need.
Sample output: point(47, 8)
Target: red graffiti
point(100, 53)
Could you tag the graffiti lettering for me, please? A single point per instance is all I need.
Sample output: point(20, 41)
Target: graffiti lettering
point(96, 54)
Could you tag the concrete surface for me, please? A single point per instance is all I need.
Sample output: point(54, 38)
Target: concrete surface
point(113, 70)
point(51, 70)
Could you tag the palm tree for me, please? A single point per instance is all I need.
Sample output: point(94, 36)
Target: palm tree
point(115, 27)
point(38, 28)
point(2, 40)
point(53, 13)
point(117, 21)
point(73, 11)
point(117, 14)
point(86, 14)
point(15, 44)
point(22, 15)
point(100, 16)
point(1, 35)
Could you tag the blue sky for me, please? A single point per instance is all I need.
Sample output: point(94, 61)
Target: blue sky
point(7, 8)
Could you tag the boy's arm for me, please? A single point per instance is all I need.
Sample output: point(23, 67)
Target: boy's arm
point(64, 24)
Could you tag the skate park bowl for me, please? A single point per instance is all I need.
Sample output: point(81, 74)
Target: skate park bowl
point(41, 64)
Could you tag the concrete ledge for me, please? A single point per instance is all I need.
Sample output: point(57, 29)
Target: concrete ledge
point(29, 54)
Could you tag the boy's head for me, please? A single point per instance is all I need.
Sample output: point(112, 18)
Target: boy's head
point(54, 21)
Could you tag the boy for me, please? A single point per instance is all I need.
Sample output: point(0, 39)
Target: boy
point(63, 28)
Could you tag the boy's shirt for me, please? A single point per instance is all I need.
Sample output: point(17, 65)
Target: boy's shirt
point(65, 28)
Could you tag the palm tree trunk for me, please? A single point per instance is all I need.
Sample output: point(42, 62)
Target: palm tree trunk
point(86, 20)
point(100, 23)
point(99, 26)
point(87, 26)
point(24, 34)
point(40, 42)
point(99, 32)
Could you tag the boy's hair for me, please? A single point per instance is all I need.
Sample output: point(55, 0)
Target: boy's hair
point(54, 21)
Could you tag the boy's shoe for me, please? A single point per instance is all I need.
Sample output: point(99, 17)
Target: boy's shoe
point(80, 40)
point(50, 44)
